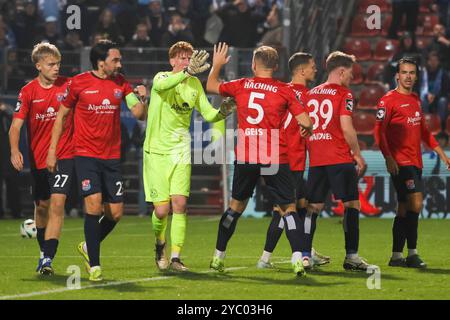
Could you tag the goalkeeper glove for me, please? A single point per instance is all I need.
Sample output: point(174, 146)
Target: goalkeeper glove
point(198, 64)
point(227, 106)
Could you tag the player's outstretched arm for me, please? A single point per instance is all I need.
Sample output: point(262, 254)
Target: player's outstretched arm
point(56, 135)
point(166, 81)
point(352, 140)
point(208, 112)
point(14, 137)
point(220, 58)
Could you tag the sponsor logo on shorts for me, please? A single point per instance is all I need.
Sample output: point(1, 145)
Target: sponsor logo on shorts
point(410, 185)
point(86, 185)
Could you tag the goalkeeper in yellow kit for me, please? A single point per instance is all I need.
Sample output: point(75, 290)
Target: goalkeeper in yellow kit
point(167, 146)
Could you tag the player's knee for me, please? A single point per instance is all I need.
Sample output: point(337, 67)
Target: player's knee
point(41, 207)
point(354, 204)
point(57, 206)
point(238, 205)
point(179, 205)
point(161, 212)
point(116, 215)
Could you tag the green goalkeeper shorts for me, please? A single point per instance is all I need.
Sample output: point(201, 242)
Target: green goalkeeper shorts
point(165, 176)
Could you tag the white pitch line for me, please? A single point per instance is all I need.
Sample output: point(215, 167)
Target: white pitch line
point(91, 286)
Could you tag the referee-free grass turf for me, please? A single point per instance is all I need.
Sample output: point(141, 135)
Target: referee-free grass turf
point(130, 273)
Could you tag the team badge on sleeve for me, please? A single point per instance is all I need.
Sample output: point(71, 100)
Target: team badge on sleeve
point(349, 104)
point(19, 103)
point(381, 114)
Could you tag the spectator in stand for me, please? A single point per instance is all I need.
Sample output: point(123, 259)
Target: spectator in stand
point(141, 39)
point(435, 89)
point(176, 31)
point(407, 48)
point(240, 24)
point(24, 26)
point(200, 14)
point(96, 37)
point(50, 33)
point(441, 45)
point(7, 173)
point(126, 17)
point(8, 32)
point(156, 21)
point(261, 8)
point(72, 41)
point(274, 34)
point(108, 27)
point(409, 8)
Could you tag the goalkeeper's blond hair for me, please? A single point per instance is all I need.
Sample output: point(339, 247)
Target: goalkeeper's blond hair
point(43, 49)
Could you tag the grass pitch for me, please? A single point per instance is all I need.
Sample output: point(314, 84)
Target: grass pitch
point(130, 273)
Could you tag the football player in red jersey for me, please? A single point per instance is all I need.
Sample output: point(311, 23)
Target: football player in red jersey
point(303, 70)
point(37, 105)
point(399, 131)
point(333, 150)
point(262, 103)
point(96, 97)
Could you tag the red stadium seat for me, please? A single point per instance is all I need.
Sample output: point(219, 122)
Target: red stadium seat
point(358, 76)
point(360, 29)
point(383, 4)
point(375, 73)
point(385, 25)
point(385, 50)
point(433, 123)
point(359, 47)
point(370, 96)
point(364, 123)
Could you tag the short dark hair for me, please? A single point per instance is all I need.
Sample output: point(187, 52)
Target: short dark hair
point(406, 60)
point(338, 59)
point(99, 52)
point(268, 56)
point(298, 59)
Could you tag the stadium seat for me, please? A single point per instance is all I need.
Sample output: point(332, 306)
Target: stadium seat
point(370, 95)
point(383, 4)
point(385, 50)
point(375, 73)
point(364, 123)
point(360, 29)
point(425, 6)
point(358, 76)
point(433, 123)
point(359, 47)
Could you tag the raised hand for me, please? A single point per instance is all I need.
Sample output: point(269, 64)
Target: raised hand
point(198, 63)
point(220, 54)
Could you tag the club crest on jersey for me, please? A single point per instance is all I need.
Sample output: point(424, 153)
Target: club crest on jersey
point(86, 185)
point(410, 185)
point(117, 93)
point(381, 113)
point(60, 96)
point(349, 104)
